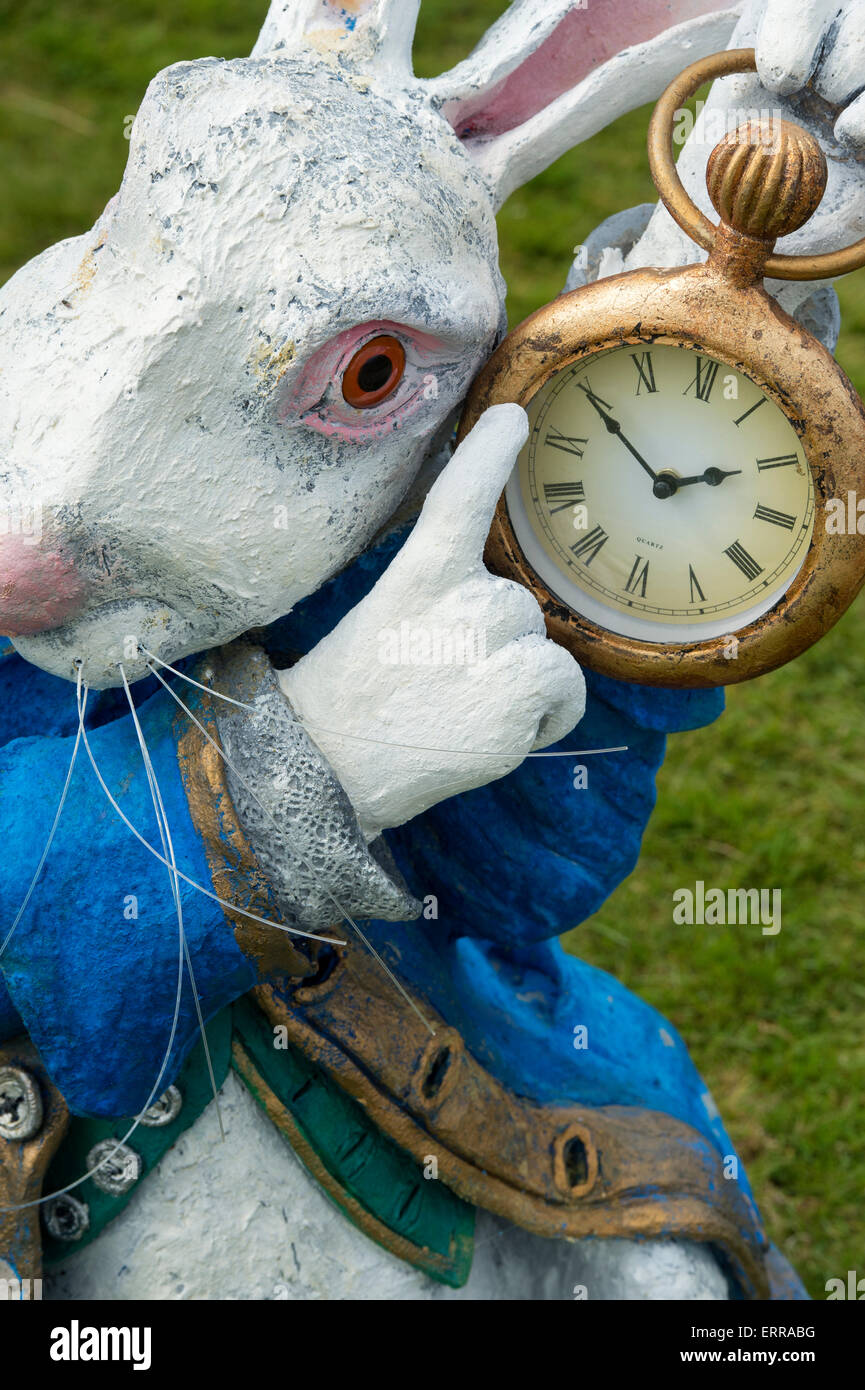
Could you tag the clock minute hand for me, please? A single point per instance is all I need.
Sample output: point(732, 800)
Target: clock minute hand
point(614, 427)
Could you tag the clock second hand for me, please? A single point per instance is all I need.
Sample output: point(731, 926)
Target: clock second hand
point(615, 428)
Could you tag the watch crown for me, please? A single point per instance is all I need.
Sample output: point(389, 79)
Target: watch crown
point(766, 178)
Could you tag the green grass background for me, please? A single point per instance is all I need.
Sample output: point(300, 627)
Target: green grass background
point(770, 796)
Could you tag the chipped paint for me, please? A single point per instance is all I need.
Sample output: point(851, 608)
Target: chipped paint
point(270, 364)
point(87, 270)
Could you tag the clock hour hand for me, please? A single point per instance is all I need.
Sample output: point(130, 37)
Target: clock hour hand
point(614, 427)
point(668, 483)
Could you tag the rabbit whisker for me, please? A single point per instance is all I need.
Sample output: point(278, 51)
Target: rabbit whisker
point(231, 907)
point(168, 848)
point(460, 752)
point(346, 916)
point(209, 689)
point(61, 1191)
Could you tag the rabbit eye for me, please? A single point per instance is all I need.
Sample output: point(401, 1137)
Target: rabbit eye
point(374, 372)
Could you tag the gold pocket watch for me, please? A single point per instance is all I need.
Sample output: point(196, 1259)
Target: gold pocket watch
point(686, 434)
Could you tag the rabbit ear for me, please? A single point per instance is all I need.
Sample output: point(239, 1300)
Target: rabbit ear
point(367, 33)
point(551, 73)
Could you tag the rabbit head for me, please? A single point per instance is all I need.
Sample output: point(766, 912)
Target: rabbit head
point(210, 403)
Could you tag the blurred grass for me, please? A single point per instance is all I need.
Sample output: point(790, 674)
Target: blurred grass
point(770, 796)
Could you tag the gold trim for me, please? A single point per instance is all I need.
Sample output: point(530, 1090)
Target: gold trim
point(574, 1190)
point(438, 1070)
point(506, 1154)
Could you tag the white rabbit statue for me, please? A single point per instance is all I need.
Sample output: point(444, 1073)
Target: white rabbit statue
point(243, 379)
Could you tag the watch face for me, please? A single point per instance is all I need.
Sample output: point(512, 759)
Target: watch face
point(661, 494)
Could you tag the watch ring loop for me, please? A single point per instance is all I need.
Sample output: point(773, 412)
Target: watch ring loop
point(681, 206)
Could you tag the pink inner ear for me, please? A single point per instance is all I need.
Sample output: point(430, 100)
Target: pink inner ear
point(583, 40)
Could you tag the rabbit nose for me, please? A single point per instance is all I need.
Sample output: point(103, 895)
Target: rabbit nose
point(39, 587)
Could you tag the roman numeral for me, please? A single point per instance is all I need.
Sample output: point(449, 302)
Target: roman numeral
point(704, 379)
point(638, 576)
point(566, 494)
point(761, 401)
point(645, 371)
point(695, 584)
point(592, 542)
point(569, 445)
point(746, 563)
point(776, 518)
point(779, 461)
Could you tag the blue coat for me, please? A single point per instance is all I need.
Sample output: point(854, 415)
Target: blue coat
point(91, 971)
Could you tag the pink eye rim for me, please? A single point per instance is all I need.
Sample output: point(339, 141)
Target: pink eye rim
point(374, 372)
point(312, 396)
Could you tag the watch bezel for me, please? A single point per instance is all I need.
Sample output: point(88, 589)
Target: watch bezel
point(698, 308)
